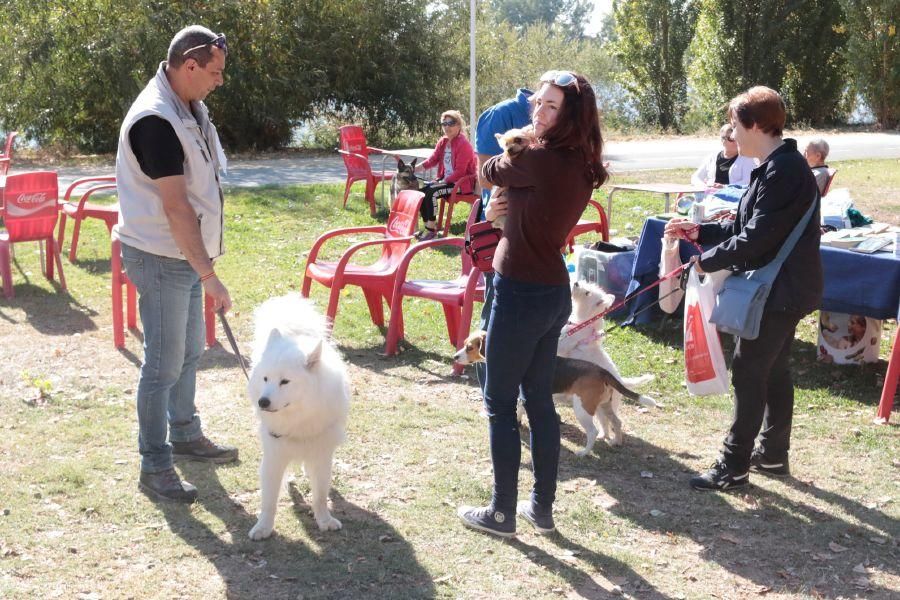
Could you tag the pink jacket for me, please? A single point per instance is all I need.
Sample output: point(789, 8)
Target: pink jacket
point(463, 161)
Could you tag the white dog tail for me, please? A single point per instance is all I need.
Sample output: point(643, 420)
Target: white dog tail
point(647, 401)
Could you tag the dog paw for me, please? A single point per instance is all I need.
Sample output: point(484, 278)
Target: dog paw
point(583, 451)
point(329, 523)
point(261, 531)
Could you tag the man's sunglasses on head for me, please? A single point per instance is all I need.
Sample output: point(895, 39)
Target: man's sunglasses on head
point(218, 42)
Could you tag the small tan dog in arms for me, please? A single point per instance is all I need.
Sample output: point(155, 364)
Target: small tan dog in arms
point(592, 388)
point(513, 142)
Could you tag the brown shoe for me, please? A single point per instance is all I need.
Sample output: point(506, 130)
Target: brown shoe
point(167, 486)
point(204, 449)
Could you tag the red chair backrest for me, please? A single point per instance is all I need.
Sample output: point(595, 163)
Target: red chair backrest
point(404, 214)
point(353, 139)
point(30, 206)
point(831, 174)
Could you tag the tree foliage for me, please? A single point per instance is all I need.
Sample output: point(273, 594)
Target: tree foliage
point(736, 47)
point(873, 53)
point(570, 15)
point(652, 37)
point(70, 69)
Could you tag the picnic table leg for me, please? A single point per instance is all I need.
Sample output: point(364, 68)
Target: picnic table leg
point(609, 205)
point(890, 382)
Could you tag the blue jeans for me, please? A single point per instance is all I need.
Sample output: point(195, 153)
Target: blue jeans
point(171, 307)
point(481, 368)
point(525, 322)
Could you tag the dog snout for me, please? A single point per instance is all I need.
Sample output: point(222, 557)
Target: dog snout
point(264, 402)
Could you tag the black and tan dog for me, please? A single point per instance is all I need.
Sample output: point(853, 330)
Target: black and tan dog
point(591, 387)
point(404, 179)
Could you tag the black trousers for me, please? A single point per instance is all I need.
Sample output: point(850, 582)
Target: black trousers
point(433, 191)
point(763, 392)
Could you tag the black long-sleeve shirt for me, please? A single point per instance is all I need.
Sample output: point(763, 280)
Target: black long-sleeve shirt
point(780, 192)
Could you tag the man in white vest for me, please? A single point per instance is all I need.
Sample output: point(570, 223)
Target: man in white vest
point(170, 227)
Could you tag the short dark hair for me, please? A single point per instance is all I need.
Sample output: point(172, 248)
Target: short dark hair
point(190, 37)
point(578, 126)
point(760, 106)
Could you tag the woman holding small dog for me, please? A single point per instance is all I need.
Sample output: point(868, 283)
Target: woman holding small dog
point(455, 159)
point(548, 186)
point(782, 188)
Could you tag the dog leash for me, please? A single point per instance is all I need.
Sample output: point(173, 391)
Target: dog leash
point(231, 340)
point(578, 327)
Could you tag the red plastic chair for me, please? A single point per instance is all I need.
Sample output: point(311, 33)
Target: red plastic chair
point(120, 280)
point(601, 225)
point(6, 156)
point(355, 153)
point(82, 209)
point(30, 210)
point(377, 279)
point(457, 296)
point(453, 198)
point(831, 174)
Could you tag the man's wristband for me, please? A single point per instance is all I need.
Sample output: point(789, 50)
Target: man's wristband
point(209, 275)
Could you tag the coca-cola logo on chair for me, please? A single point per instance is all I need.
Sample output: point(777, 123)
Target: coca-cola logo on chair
point(27, 204)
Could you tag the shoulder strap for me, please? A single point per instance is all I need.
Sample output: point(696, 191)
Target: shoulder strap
point(770, 271)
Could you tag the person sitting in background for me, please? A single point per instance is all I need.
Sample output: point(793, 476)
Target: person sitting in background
point(816, 152)
point(455, 159)
point(724, 167)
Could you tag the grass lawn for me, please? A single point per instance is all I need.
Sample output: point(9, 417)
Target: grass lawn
point(72, 524)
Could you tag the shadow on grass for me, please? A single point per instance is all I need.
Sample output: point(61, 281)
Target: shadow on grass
point(49, 312)
point(585, 582)
point(760, 535)
point(436, 367)
point(367, 558)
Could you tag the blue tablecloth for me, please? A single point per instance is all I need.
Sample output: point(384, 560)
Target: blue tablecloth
point(855, 283)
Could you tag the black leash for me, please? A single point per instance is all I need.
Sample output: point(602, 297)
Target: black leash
point(232, 341)
point(682, 286)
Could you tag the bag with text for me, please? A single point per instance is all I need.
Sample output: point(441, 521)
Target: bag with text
point(704, 362)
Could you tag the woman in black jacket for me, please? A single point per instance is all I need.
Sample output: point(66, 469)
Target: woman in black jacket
point(781, 190)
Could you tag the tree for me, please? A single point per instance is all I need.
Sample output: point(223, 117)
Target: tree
point(571, 15)
point(70, 70)
point(873, 53)
point(736, 46)
point(652, 37)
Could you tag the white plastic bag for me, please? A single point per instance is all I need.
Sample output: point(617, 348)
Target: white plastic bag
point(704, 363)
point(670, 293)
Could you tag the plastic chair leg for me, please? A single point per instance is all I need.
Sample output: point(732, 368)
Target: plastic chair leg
point(376, 309)
point(76, 231)
point(61, 229)
point(53, 249)
point(347, 187)
point(891, 379)
point(6, 271)
point(449, 218)
point(115, 263)
point(395, 326)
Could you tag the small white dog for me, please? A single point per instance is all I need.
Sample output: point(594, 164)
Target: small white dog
point(587, 344)
point(301, 393)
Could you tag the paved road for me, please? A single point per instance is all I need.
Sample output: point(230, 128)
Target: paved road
point(666, 153)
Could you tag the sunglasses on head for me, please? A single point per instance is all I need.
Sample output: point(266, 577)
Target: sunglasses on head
point(448, 122)
point(561, 79)
point(218, 42)
point(727, 138)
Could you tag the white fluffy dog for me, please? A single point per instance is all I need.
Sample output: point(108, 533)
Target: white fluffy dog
point(587, 344)
point(301, 393)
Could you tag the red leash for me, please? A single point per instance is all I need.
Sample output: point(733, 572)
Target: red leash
point(626, 299)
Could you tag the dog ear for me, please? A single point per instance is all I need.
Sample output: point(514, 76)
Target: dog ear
point(400, 164)
point(412, 165)
point(274, 336)
point(313, 358)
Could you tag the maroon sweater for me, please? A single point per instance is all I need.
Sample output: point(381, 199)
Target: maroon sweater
point(548, 190)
